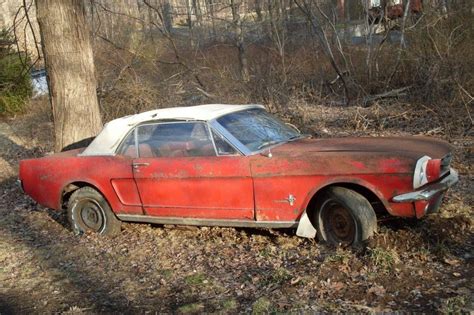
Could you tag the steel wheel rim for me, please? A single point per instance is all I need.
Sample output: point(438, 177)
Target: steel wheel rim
point(91, 214)
point(339, 222)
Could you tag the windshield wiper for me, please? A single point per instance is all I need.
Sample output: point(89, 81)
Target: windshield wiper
point(270, 142)
point(297, 137)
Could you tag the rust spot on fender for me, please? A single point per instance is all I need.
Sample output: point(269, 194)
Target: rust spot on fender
point(358, 164)
point(45, 177)
point(198, 167)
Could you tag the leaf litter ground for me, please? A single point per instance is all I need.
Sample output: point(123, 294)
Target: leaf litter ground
point(409, 265)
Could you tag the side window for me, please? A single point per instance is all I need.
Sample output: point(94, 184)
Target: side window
point(128, 146)
point(222, 146)
point(174, 139)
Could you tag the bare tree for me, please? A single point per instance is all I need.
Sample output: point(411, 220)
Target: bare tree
point(258, 10)
point(237, 23)
point(306, 7)
point(210, 9)
point(167, 15)
point(71, 74)
point(197, 11)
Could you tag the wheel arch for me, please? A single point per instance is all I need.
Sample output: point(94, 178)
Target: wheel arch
point(307, 228)
point(375, 200)
point(68, 189)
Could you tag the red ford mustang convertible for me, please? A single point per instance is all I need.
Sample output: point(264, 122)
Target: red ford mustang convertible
point(236, 165)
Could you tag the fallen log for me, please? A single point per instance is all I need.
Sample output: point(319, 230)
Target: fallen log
point(389, 94)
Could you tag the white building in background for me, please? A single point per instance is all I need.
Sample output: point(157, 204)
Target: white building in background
point(39, 83)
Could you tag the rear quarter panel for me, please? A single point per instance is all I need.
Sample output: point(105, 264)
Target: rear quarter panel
point(44, 179)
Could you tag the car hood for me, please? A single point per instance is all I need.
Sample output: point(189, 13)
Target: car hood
point(342, 156)
point(408, 147)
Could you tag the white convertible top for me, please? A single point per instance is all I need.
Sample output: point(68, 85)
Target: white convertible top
point(109, 138)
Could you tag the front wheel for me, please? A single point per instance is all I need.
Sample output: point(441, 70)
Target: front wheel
point(344, 217)
point(89, 211)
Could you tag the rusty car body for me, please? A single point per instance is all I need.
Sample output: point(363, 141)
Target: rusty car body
point(236, 165)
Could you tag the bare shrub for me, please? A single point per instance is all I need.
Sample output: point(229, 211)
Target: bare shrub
point(432, 67)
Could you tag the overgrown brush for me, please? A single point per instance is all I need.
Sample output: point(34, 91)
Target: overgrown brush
point(439, 61)
point(15, 84)
point(432, 67)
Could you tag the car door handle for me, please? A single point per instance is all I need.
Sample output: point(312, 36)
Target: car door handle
point(138, 164)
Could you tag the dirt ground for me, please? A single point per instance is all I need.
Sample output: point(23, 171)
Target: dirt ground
point(410, 265)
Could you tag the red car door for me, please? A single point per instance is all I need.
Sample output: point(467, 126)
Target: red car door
point(179, 175)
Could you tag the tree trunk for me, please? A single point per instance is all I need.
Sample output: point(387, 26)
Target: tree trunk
point(197, 12)
point(258, 10)
point(71, 74)
point(211, 13)
point(237, 22)
point(168, 16)
point(340, 11)
point(190, 22)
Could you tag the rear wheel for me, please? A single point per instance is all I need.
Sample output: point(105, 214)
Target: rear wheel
point(89, 211)
point(344, 217)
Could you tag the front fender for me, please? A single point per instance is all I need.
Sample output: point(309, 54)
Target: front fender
point(389, 185)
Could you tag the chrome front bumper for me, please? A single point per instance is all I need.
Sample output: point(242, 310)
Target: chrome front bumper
point(430, 190)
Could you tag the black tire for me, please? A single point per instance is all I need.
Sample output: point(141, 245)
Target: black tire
point(88, 210)
point(344, 217)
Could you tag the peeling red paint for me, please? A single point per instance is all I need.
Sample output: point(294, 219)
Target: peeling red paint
point(238, 187)
point(358, 164)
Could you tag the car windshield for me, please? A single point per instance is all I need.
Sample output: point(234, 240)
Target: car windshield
point(257, 129)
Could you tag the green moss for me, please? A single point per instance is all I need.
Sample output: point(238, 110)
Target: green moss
point(166, 273)
point(455, 305)
point(262, 306)
point(341, 255)
point(230, 304)
point(281, 275)
point(383, 258)
point(192, 308)
point(196, 279)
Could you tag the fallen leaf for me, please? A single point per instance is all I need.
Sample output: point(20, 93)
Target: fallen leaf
point(337, 286)
point(452, 262)
point(377, 290)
